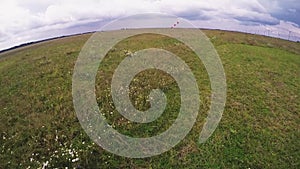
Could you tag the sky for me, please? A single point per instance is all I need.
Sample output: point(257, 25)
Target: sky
point(23, 21)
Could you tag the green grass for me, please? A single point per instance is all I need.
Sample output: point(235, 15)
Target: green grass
point(259, 127)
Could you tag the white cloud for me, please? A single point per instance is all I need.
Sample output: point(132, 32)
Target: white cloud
point(23, 21)
point(288, 10)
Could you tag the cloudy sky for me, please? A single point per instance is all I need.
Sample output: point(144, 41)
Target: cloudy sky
point(24, 21)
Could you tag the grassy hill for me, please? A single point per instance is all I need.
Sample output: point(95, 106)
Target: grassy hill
point(259, 128)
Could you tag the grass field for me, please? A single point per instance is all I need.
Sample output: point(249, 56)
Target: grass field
point(260, 127)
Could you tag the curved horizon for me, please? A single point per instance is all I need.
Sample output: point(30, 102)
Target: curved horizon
point(25, 22)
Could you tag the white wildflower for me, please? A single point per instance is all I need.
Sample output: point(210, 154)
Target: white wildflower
point(75, 159)
point(45, 164)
